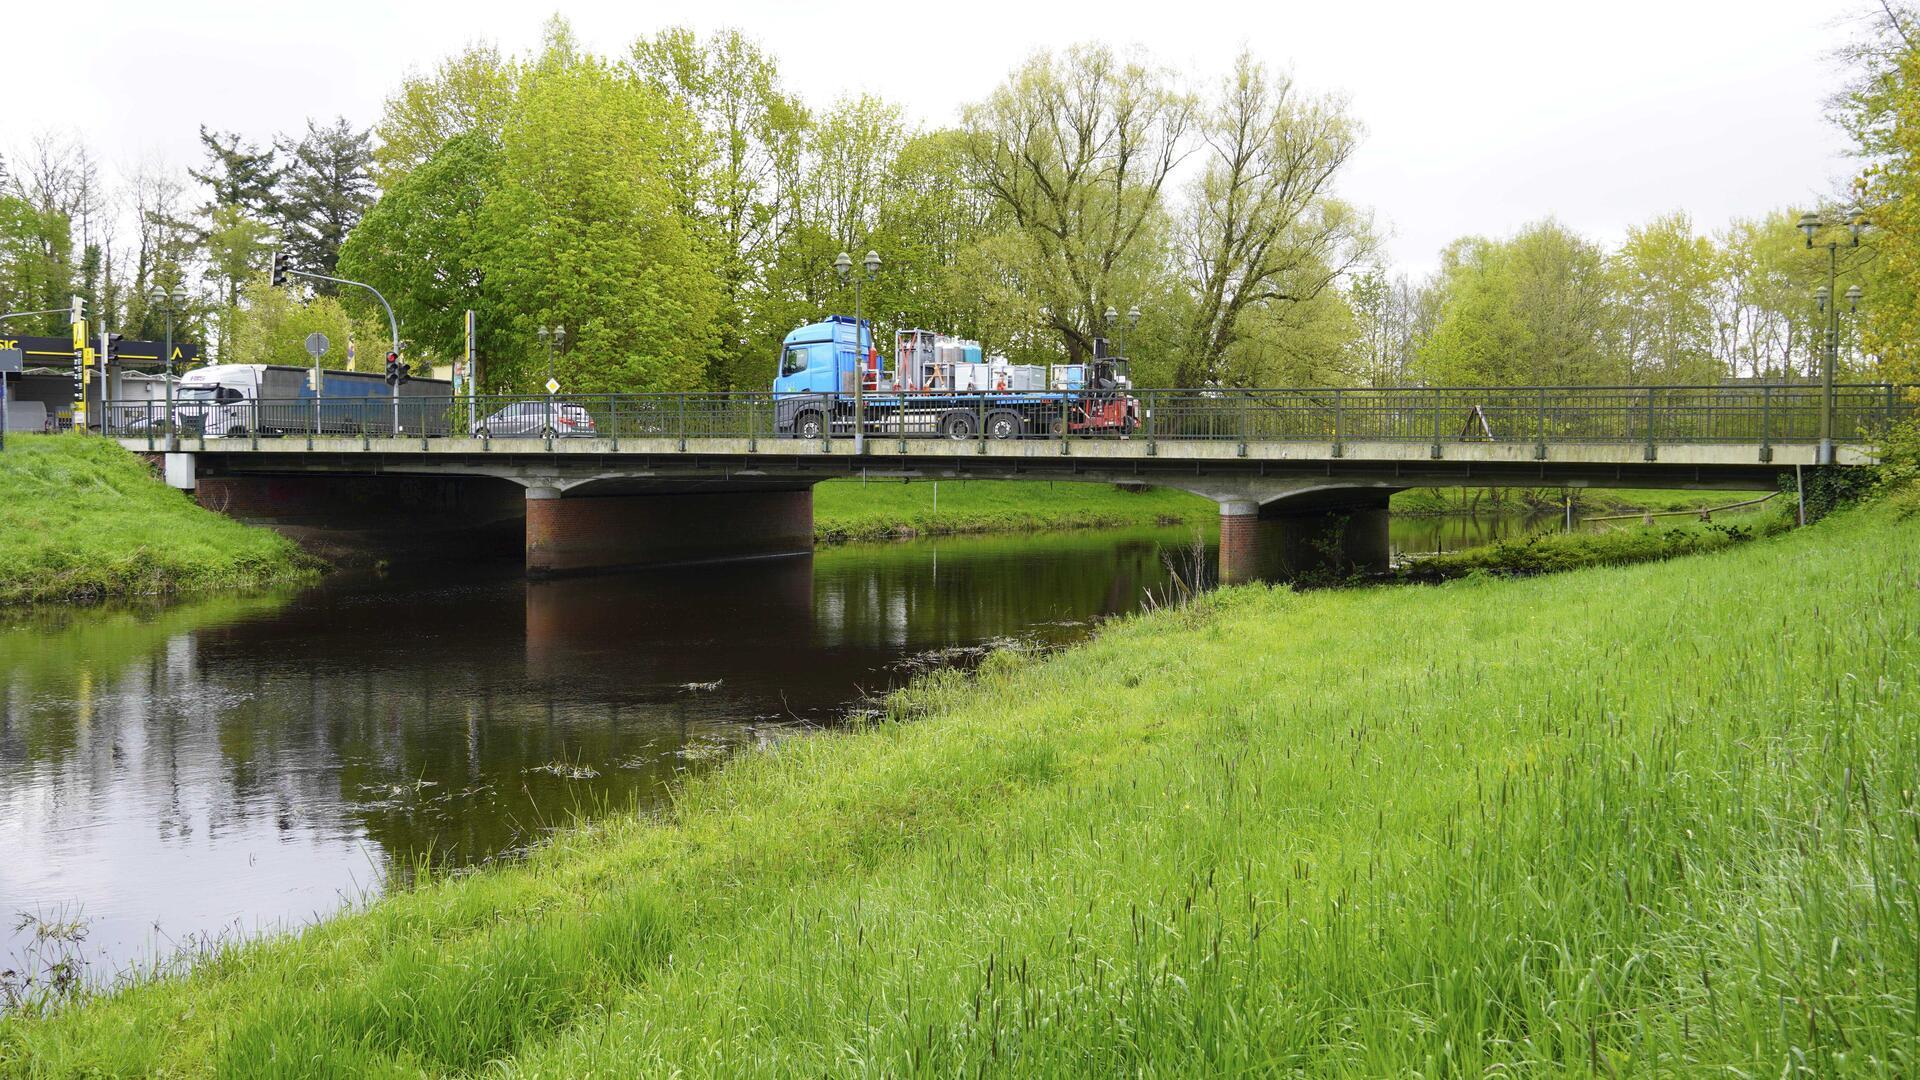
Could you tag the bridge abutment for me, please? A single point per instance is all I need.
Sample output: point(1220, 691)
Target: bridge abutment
point(568, 533)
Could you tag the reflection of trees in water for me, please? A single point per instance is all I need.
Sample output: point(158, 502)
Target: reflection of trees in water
point(463, 719)
point(933, 592)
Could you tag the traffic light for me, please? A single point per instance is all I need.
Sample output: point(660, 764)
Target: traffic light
point(404, 375)
point(281, 264)
point(113, 348)
point(393, 369)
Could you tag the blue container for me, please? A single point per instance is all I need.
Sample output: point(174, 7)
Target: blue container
point(972, 353)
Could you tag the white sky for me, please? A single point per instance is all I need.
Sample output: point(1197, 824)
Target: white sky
point(1480, 116)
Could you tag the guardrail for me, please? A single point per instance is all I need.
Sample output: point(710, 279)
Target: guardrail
point(1541, 416)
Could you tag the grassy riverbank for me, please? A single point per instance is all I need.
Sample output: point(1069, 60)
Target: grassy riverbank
point(82, 519)
point(1620, 821)
point(1551, 500)
point(875, 510)
point(1617, 544)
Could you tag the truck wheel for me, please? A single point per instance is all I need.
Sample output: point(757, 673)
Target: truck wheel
point(482, 432)
point(958, 425)
point(807, 425)
point(1057, 426)
point(1004, 425)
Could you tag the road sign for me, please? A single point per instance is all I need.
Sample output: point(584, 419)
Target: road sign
point(12, 360)
point(317, 344)
point(553, 386)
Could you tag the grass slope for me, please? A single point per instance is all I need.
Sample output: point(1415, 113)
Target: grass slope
point(852, 510)
point(81, 518)
point(1644, 820)
point(1588, 501)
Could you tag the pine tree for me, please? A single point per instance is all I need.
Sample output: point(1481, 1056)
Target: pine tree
point(325, 190)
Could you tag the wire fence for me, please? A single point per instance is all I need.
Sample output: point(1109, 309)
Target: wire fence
point(1542, 416)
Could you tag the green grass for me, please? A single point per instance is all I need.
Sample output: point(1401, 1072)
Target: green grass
point(82, 519)
point(1588, 501)
point(874, 510)
point(1614, 544)
point(1627, 821)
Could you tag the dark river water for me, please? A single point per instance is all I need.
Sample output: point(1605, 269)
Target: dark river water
point(181, 774)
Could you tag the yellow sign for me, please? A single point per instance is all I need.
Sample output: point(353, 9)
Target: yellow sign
point(80, 334)
point(6, 344)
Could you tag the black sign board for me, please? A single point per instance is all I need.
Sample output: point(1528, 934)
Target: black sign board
point(58, 352)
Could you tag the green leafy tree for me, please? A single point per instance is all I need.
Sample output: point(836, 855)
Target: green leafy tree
point(472, 92)
point(1261, 230)
point(1533, 310)
point(739, 181)
point(581, 231)
point(1075, 150)
point(1665, 279)
point(1882, 113)
point(424, 245)
point(270, 326)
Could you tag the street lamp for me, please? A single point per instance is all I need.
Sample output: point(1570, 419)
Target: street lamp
point(843, 263)
point(552, 339)
point(169, 301)
point(1811, 223)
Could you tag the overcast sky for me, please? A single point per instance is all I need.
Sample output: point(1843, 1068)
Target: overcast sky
point(1479, 116)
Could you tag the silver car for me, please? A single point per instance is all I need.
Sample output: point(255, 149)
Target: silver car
point(537, 419)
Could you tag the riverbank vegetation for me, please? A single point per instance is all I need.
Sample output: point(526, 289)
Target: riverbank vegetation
point(1553, 500)
point(1614, 821)
point(878, 510)
point(1554, 552)
point(82, 519)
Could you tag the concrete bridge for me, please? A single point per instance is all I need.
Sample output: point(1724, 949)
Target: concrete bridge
point(1297, 484)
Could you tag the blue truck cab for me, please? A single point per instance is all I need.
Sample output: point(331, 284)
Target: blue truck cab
point(815, 379)
point(820, 358)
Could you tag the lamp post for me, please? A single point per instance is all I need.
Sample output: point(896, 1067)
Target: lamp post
point(844, 264)
point(169, 301)
point(1811, 224)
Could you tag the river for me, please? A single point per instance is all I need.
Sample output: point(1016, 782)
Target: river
point(181, 774)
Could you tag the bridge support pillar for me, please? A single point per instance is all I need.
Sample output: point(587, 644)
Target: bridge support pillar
point(1239, 541)
point(569, 533)
point(1304, 539)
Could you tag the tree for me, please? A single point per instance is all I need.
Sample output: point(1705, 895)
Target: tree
point(739, 183)
point(471, 92)
point(1533, 310)
point(424, 246)
point(324, 191)
point(1075, 149)
point(1882, 113)
point(1384, 312)
point(238, 175)
point(1261, 228)
point(270, 326)
point(580, 230)
point(1665, 277)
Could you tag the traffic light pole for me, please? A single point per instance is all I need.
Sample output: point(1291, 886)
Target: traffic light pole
point(393, 325)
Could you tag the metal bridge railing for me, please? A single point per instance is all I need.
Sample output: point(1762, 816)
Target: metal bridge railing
point(1541, 416)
